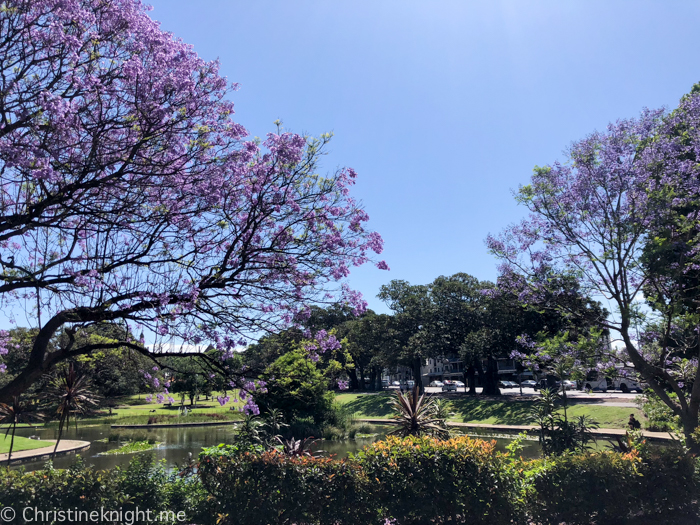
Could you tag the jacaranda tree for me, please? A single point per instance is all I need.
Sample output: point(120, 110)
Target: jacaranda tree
point(128, 194)
point(599, 217)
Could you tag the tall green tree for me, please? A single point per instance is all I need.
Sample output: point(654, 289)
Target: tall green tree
point(412, 314)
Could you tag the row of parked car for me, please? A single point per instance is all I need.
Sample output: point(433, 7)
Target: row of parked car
point(620, 384)
point(625, 385)
point(447, 386)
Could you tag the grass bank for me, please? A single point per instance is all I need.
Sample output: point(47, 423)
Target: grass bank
point(21, 444)
point(135, 410)
point(490, 411)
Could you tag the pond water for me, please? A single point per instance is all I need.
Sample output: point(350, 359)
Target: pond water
point(179, 442)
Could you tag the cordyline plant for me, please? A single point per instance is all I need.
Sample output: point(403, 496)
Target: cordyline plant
point(416, 415)
point(71, 396)
point(12, 414)
point(623, 217)
point(128, 195)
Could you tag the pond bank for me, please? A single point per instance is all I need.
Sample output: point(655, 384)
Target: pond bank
point(532, 429)
point(66, 446)
point(176, 425)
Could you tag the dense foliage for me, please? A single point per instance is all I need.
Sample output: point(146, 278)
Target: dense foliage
point(297, 388)
point(144, 484)
point(622, 215)
point(129, 195)
point(411, 480)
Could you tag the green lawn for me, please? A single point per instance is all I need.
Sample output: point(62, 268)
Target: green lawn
point(488, 411)
point(21, 444)
point(134, 410)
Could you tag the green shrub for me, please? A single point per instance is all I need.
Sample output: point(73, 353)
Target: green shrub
point(269, 488)
point(78, 486)
point(660, 417)
point(365, 428)
point(420, 480)
point(352, 431)
point(144, 483)
point(333, 433)
point(609, 487)
point(302, 428)
point(581, 489)
point(668, 483)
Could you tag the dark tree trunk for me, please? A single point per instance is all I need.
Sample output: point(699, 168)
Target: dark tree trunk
point(361, 378)
point(353, 379)
point(379, 379)
point(489, 377)
point(372, 375)
point(470, 379)
point(416, 374)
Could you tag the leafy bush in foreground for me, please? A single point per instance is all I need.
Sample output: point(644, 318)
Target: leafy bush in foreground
point(609, 487)
point(260, 488)
point(422, 479)
point(411, 481)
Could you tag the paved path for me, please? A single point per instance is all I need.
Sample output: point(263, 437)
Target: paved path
point(513, 394)
point(515, 429)
point(66, 446)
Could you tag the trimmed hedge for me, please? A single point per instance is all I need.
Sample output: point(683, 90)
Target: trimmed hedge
point(260, 488)
point(458, 480)
point(608, 487)
point(412, 481)
point(144, 484)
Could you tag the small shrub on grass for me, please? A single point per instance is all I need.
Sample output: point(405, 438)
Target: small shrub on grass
point(660, 417)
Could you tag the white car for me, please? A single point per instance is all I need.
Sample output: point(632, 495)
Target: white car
point(436, 383)
point(395, 383)
point(569, 385)
point(530, 383)
point(458, 384)
point(449, 386)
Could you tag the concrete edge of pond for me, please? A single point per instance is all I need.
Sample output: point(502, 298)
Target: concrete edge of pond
point(66, 446)
point(179, 425)
point(532, 429)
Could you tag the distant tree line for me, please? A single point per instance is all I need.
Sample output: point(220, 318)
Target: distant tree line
point(455, 316)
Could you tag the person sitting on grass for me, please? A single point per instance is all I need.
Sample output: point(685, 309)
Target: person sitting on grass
point(633, 423)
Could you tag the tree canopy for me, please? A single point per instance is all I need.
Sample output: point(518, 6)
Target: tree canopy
point(129, 195)
point(622, 216)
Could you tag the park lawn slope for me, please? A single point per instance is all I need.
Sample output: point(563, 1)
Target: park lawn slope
point(135, 410)
point(21, 443)
point(490, 411)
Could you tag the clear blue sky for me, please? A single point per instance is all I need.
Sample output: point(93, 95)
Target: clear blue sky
point(442, 107)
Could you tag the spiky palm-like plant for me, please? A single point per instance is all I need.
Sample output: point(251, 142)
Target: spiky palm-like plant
point(14, 413)
point(416, 416)
point(298, 447)
point(71, 396)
